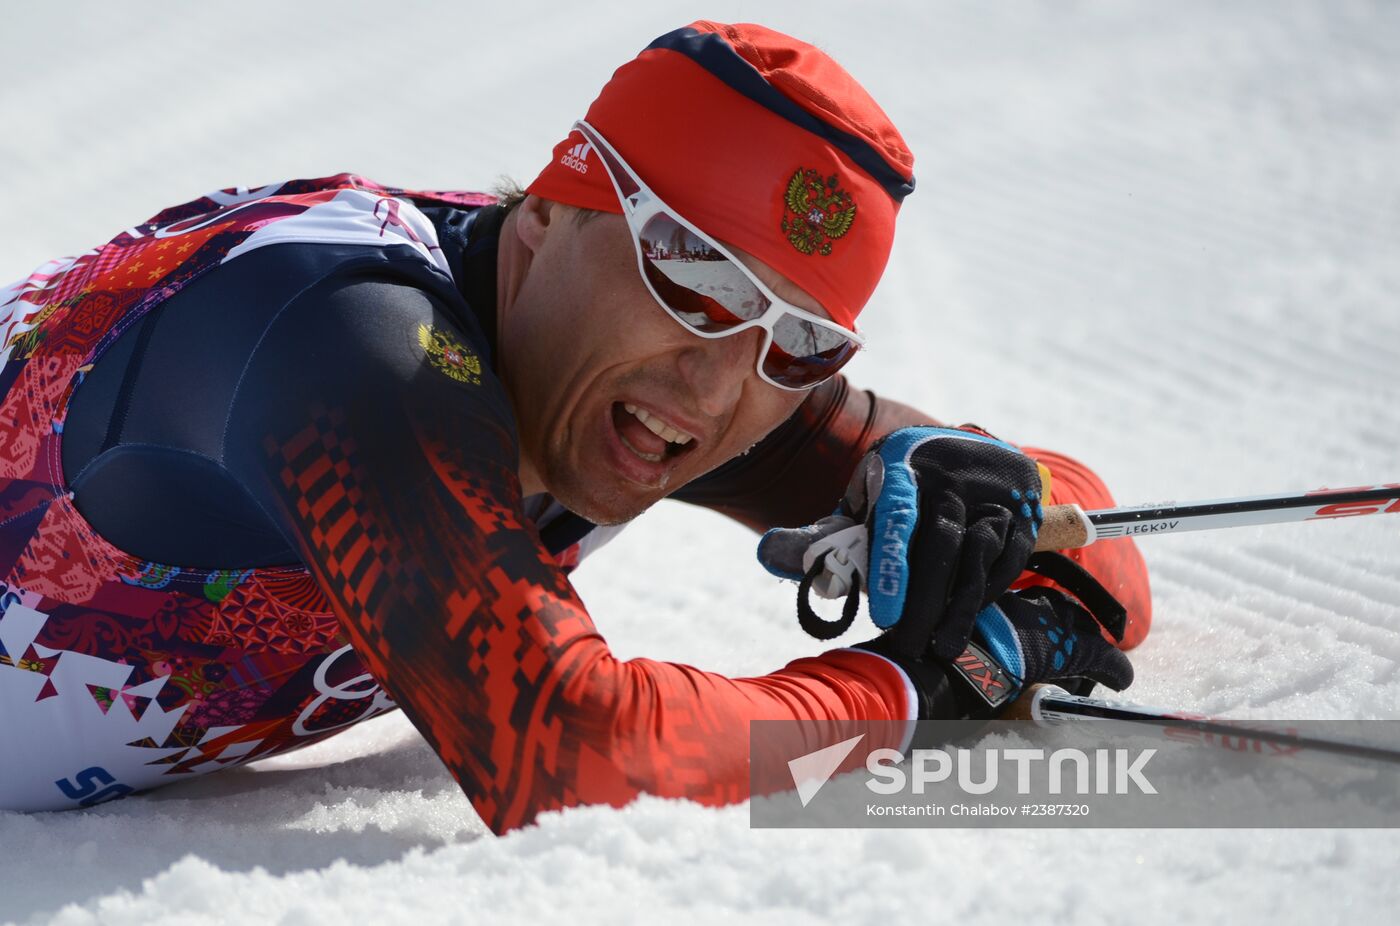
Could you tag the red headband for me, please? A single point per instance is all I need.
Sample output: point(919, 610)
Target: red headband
point(762, 141)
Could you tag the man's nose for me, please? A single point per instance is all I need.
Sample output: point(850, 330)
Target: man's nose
point(716, 369)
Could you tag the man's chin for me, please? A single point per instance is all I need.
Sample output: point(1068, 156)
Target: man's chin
point(604, 515)
point(602, 508)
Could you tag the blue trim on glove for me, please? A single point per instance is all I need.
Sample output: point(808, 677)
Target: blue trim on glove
point(1001, 641)
point(896, 518)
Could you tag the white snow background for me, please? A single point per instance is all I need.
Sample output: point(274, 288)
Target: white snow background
point(1162, 237)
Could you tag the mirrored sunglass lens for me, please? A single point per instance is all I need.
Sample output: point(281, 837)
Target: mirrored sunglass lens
point(702, 286)
point(803, 354)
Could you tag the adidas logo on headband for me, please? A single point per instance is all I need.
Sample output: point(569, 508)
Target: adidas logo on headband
point(577, 157)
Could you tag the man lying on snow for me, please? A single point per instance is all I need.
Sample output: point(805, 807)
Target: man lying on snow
point(276, 448)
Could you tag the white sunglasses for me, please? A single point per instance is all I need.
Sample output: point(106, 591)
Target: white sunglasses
point(712, 294)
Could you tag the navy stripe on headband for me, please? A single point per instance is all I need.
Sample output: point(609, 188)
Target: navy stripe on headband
point(714, 54)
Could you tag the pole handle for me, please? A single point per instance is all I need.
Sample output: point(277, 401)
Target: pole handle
point(1023, 708)
point(1065, 527)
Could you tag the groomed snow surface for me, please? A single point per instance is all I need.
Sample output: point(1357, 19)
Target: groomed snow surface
point(1160, 237)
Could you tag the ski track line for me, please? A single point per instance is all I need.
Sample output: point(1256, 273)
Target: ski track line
point(1134, 213)
point(1236, 352)
point(1340, 207)
point(1266, 694)
point(1304, 618)
point(1294, 570)
point(1136, 173)
point(1062, 221)
point(1252, 366)
point(1195, 359)
point(1288, 348)
point(1326, 569)
point(1254, 358)
point(1285, 351)
point(1197, 220)
point(1076, 295)
point(1123, 360)
point(1258, 349)
point(1041, 244)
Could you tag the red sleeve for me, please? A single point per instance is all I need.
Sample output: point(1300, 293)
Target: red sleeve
point(392, 470)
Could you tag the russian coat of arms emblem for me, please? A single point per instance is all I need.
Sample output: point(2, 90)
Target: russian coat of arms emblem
point(815, 211)
point(449, 356)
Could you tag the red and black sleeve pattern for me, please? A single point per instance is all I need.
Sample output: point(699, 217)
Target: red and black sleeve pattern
point(371, 427)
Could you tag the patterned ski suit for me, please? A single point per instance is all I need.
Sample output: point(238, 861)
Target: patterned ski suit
point(380, 461)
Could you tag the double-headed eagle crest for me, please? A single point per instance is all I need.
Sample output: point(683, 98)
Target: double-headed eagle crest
point(449, 356)
point(815, 211)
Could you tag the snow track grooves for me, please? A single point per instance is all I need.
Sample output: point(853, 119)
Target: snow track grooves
point(1272, 592)
point(1160, 237)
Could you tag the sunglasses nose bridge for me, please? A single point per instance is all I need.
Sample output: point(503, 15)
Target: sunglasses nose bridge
point(717, 368)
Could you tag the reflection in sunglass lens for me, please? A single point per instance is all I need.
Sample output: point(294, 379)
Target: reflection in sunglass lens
point(697, 282)
point(711, 294)
point(803, 354)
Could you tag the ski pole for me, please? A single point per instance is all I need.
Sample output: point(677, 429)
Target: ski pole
point(1050, 705)
point(1069, 526)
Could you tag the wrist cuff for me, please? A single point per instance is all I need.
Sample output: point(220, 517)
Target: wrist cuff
point(932, 696)
point(911, 695)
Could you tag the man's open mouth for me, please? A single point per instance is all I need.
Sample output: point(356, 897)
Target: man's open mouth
point(648, 435)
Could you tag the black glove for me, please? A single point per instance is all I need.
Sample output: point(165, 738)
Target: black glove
point(1023, 638)
point(944, 522)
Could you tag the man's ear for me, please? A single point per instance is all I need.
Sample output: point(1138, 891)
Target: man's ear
point(533, 219)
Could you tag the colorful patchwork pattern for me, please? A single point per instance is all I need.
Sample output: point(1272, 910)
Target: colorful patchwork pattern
point(148, 672)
